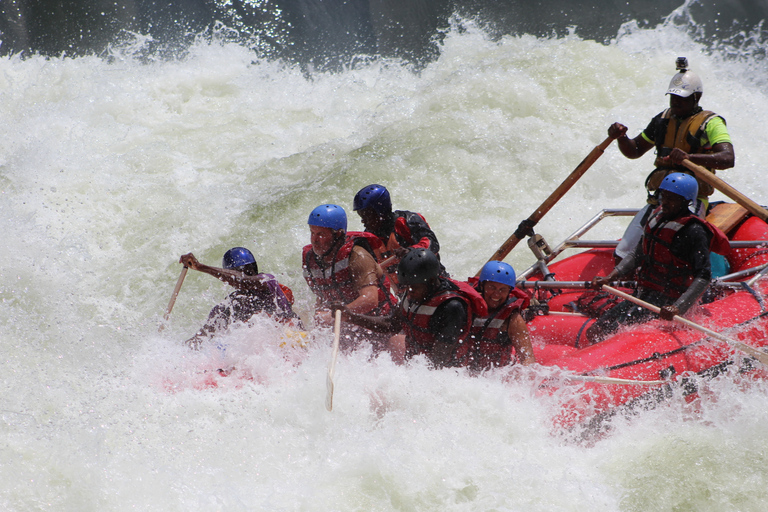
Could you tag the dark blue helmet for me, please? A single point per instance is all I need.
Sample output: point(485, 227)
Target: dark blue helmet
point(237, 257)
point(373, 196)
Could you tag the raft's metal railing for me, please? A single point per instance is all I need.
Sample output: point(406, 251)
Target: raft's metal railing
point(574, 241)
point(732, 280)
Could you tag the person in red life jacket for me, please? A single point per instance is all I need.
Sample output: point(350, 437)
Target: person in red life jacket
point(254, 293)
point(398, 230)
point(683, 131)
point(502, 336)
point(671, 260)
point(435, 313)
point(340, 266)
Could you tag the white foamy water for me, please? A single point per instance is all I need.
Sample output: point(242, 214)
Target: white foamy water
point(109, 171)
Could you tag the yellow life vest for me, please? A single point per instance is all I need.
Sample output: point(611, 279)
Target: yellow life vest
point(684, 134)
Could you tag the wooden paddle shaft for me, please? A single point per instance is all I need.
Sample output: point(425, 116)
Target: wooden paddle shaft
point(332, 367)
point(388, 262)
point(553, 198)
point(175, 294)
point(336, 337)
point(704, 175)
point(757, 354)
point(611, 380)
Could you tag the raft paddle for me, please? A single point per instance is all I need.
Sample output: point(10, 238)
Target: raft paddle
point(704, 175)
point(175, 294)
point(612, 380)
point(332, 366)
point(559, 192)
point(388, 262)
point(752, 351)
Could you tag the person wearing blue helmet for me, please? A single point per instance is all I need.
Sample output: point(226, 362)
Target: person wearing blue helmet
point(255, 293)
point(501, 337)
point(671, 261)
point(341, 266)
point(398, 230)
point(683, 131)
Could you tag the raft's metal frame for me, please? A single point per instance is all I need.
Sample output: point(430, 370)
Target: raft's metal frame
point(730, 280)
point(574, 242)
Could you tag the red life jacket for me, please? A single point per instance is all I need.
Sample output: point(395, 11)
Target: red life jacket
point(334, 282)
point(401, 234)
point(420, 340)
point(663, 271)
point(491, 346)
point(287, 292)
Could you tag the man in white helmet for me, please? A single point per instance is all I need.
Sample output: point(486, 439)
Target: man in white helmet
point(683, 131)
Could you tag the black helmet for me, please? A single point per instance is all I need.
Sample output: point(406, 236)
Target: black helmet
point(419, 266)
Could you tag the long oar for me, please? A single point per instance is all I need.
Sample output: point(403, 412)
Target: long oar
point(612, 380)
point(332, 366)
point(752, 351)
point(566, 285)
point(388, 262)
point(175, 294)
point(704, 175)
point(559, 192)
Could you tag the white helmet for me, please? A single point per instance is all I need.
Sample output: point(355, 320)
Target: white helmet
point(685, 82)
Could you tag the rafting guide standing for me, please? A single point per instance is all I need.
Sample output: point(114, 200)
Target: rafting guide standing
point(683, 131)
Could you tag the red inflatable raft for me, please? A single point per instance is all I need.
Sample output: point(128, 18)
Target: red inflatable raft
point(656, 355)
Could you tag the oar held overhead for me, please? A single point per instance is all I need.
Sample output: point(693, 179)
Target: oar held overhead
point(525, 228)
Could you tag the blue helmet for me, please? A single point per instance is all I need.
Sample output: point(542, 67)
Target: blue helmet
point(328, 216)
point(498, 272)
point(681, 184)
point(373, 196)
point(237, 257)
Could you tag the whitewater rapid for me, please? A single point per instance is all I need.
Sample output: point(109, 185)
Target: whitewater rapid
point(112, 167)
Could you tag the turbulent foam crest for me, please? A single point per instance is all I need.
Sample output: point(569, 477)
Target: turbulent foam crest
point(110, 169)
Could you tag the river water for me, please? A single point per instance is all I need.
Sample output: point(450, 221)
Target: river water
point(111, 167)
